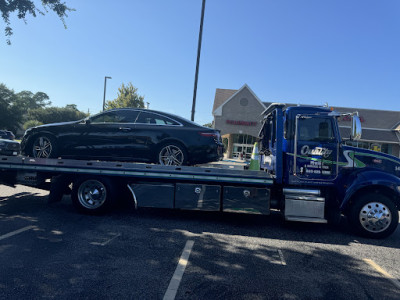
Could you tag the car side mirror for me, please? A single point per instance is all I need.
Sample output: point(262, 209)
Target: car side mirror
point(355, 127)
point(87, 122)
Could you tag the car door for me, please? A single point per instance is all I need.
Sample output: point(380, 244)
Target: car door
point(109, 134)
point(316, 148)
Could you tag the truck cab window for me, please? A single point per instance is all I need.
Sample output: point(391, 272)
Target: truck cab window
point(315, 129)
point(265, 134)
point(273, 130)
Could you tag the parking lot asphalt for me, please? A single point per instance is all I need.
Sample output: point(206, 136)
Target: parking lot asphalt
point(51, 251)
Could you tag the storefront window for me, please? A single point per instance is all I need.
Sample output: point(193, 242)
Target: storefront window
point(243, 145)
point(243, 139)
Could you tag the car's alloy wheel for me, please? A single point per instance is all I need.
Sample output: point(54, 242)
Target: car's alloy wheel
point(171, 155)
point(43, 147)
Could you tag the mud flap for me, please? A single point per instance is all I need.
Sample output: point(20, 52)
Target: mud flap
point(59, 187)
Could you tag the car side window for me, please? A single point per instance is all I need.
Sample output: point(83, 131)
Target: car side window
point(156, 119)
point(127, 116)
point(108, 117)
point(124, 116)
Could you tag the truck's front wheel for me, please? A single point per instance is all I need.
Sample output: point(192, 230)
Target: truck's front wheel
point(374, 216)
point(92, 195)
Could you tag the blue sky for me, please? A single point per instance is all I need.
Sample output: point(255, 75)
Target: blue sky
point(346, 53)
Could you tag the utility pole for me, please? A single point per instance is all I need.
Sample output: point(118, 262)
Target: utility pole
point(104, 97)
point(198, 59)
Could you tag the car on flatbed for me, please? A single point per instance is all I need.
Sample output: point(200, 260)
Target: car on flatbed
point(9, 147)
point(126, 134)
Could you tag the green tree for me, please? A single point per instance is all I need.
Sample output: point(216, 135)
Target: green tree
point(27, 100)
point(24, 7)
point(56, 114)
point(31, 123)
point(209, 125)
point(127, 97)
point(11, 114)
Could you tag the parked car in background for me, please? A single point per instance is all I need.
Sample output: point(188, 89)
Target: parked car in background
point(6, 134)
point(9, 147)
point(126, 134)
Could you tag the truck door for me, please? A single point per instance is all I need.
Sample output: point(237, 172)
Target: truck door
point(316, 148)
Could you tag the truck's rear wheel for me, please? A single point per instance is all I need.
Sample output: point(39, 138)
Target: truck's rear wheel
point(374, 215)
point(92, 195)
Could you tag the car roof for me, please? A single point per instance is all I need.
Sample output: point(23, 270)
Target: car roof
point(169, 115)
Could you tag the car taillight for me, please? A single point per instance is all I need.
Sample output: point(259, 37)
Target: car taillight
point(208, 134)
point(216, 135)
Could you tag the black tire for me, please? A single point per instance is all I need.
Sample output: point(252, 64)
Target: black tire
point(172, 154)
point(93, 195)
point(44, 146)
point(374, 215)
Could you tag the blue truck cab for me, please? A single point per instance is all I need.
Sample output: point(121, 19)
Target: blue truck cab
point(321, 178)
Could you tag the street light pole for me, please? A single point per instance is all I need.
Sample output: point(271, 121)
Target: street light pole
point(104, 97)
point(198, 59)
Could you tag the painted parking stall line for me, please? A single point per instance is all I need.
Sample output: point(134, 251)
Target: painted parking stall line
point(114, 236)
point(178, 274)
point(15, 232)
point(283, 261)
point(385, 274)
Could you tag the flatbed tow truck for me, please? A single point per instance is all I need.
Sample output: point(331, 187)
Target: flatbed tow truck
point(306, 173)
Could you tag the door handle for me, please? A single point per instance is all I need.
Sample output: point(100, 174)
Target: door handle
point(125, 128)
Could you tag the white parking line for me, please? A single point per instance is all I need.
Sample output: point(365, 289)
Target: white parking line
point(180, 269)
point(107, 241)
point(283, 262)
point(12, 233)
point(382, 271)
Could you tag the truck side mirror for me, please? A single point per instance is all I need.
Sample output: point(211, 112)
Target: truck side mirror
point(355, 127)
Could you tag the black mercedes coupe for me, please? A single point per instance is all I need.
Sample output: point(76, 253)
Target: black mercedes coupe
point(126, 134)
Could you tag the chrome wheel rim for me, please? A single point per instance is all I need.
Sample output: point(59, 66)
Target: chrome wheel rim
point(42, 147)
point(171, 155)
point(92, 194)
point(375, 217)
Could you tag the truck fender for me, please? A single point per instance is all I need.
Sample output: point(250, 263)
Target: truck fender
point(372, 180)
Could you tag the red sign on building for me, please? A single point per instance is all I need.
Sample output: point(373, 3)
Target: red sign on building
point(348, 119)
point(244, 123)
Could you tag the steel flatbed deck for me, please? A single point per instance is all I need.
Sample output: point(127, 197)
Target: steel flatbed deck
point(134, 170)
